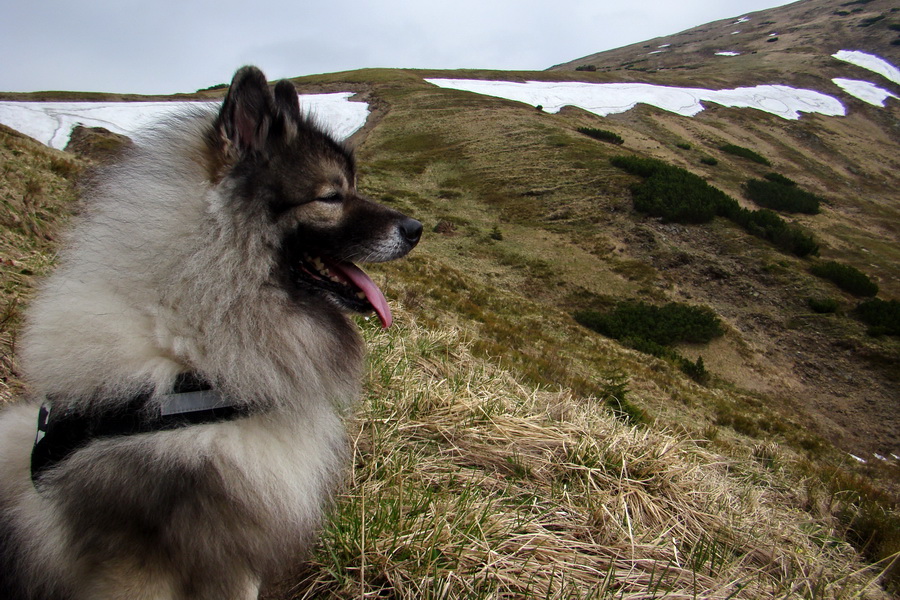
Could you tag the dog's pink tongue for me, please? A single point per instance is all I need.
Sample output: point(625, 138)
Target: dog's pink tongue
point(368, 287)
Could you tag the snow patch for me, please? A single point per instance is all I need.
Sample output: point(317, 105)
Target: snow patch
point(610, 98)
point(728, 53)
point(741, 20)
point(865, 91)
point(52, 122)
point(871, 62)
point(858, 459)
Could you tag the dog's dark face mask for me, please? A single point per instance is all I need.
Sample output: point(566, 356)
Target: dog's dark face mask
point(305, 182)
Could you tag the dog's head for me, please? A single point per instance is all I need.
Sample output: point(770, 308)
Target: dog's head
point(280, 163)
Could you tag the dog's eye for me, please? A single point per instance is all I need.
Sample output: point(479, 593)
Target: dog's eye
point(330, 197)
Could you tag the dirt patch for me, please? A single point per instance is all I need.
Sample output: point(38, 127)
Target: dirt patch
point(824, 365)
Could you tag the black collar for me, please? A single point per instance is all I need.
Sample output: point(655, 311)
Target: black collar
point(192, 402)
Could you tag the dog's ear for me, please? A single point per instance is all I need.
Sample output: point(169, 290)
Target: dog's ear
point(286, 99)
point(247, 112)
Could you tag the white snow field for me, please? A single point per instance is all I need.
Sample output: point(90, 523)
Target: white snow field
point(609, 98)
point(51, 122)
point(865, 91)
point(871, 63)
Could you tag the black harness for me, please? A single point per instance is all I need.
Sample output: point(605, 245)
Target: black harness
point(192, 402)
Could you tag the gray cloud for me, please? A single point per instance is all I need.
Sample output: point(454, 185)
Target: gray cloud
point(175, 46)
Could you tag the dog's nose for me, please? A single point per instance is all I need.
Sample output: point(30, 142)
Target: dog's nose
point(411, 231)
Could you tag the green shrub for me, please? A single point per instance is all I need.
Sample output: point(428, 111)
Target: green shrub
point(679, 196)
point(644, 167)
point(823, 305)
point(882, 316)
point(745, 153)
point(671, 193)
point(602, 135)
point(660, 325)
point(675, 194)
point(709, 160)
point(653, 329)
point(870, 21)
point(586, 68)
point(695, 370)
point(780, 196)
point(613, 392)
point(779, 178)
point(848, 278)
point(769, 226)
point(683, 146)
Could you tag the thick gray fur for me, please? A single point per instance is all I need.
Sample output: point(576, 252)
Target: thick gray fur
point(181, 263)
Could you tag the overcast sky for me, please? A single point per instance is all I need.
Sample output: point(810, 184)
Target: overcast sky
point(167, 46)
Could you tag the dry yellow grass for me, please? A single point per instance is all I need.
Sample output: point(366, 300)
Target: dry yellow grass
point(468, 484)
point(36, 197)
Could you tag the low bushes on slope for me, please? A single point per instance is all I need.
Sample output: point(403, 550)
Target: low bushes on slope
point(675, 194)
point(745, 153)
point(602, 134)
point(779, 195)
point(848, 278)
point(654, 329)
point(671, 193)
point(664, 325)
point(882, 316)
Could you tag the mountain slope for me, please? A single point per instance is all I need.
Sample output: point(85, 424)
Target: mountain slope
point(789, 44)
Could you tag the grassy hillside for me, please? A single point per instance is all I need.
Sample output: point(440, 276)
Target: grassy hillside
point(531, 223)
point(504, 450)
point(36, 197)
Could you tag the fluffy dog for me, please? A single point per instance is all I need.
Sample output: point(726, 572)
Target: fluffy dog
point(190, 359)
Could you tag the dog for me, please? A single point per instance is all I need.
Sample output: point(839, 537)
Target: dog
point(190, 361)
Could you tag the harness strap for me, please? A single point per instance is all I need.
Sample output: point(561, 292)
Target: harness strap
point(193, 402)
